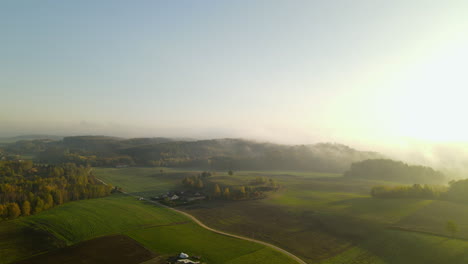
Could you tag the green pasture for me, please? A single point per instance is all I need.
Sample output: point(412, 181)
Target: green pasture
point(162, 230)
point(325, 218)
point(395, 247)
point(433, 218)
point(145, 181)
point(82, 220)
point(195, 240)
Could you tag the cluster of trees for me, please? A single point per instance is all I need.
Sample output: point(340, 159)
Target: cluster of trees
point(261, 180)
point(223, 154)
point(456, 191)
point(236, 193)
point(258, 187)
point(27, 189)
point(196, 181)
point(417, 191)
point(58, 155)
point(390, 170)
point(226, 193)
point(201, 182)
point(193, 182)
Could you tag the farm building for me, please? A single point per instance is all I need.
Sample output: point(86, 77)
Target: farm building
point(187, 261)
point(184, 258)
point(190, 199)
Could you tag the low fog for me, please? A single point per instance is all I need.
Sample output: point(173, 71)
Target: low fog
point(449, 157)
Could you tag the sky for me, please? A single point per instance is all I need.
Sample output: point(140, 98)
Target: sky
point(362, 72)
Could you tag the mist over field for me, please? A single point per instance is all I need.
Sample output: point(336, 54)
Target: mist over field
point(450, 157)
point(233, 132)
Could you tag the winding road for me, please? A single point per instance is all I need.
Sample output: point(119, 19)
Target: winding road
point(193, 218)
point(296, 258)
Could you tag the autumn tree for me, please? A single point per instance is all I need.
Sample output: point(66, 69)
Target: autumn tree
point(13, 210)
point(226, 193)
point(40, 187)
point(49, 202)
point(57, 196)
point(39, 206)
point(200, 184)
point(26, 208)
point(242, 192)
point(217, 191)
point(3, 211)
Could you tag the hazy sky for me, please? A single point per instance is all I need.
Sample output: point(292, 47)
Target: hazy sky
point(363, 72)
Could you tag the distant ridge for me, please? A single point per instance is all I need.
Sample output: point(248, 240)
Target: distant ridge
point(210, 154)
point(29, 137)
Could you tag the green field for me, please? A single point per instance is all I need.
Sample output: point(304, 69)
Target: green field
point(159, 229)
point(144, 181)
point(324, 218)
point(404, 247)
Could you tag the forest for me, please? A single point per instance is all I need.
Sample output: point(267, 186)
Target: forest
point(397, 171)
point(216, 154)
point(27, 188)
point(456, 191)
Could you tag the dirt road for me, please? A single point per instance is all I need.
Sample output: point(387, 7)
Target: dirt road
point(296, 258)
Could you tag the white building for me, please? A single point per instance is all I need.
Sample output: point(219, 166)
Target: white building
point(187, 261)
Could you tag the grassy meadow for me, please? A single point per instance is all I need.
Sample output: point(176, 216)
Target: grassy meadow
point(163, 231)
point(145, 181)
point(323, 218)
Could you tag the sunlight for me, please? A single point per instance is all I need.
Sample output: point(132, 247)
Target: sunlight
point(429, 102)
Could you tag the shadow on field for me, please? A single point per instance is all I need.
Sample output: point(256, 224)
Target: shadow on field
point(114, 249)
point(312, 235)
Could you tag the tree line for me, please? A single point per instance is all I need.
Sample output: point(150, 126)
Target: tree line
point(417, 191)
point(220, 154)
point(455, 191)
point(27, 189)
point(255, 190)
point(390, 170)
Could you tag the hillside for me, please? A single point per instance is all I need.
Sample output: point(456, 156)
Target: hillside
point(28, 138)
point(221, 154)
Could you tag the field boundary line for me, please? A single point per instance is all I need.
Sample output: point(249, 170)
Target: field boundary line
point(409, 230)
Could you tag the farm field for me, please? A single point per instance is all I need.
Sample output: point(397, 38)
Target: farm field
point(391, 246)
point(99, 250)
point(144, 181)
point(18, 241)
point(432, 218)
point(324, 218)
point(163, 231)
